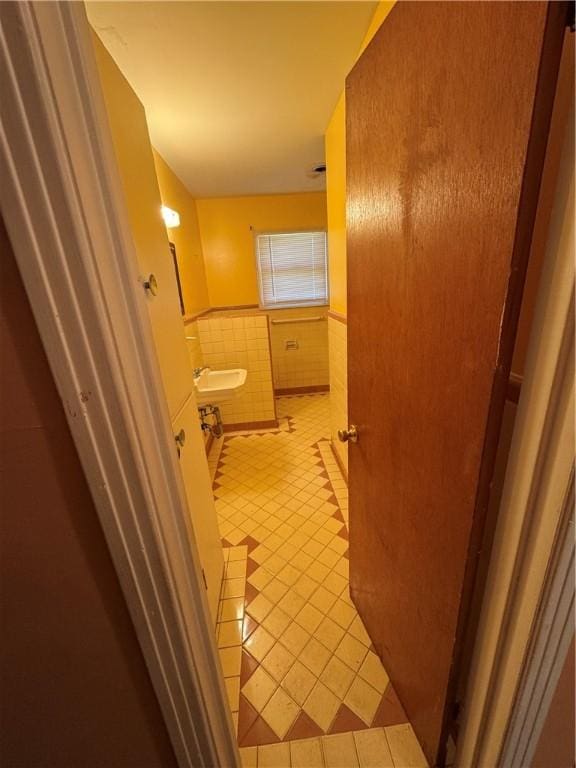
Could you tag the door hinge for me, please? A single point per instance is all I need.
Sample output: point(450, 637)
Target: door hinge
point(204, 577)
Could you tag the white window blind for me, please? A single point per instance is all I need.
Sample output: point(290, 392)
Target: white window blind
point(292, 269)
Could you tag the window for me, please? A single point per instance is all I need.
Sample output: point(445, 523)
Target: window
point(292, 269)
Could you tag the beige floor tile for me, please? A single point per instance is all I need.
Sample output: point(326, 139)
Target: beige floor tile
point(231, 659)
point(340, 751)
point(363, 700)
point(235, 569)
point(312, 547)
point(259, 608)
point(235, 536)
point(323, 600)
point(275, 590)
point(249, 757)
point(292, 603)
point(233, 588)
point(277, 621)
point(233, 691)
point(342, 568)
point(323, 536)
point(299, 681)
point(404, 747)
point(298, 538)
point(260, 554)
point(295, 638)
point(374, 673)
point(238, 553)
point(275, 564)
point(289, 575)
point(289, 552)
point(229, 633)
point(260, 578)
point(358, 631)
point(259, 643)
point(259, 688)
point(318, 572)
point(274, 756)
point(314, 656)
point(340, 546)
point(321, 705)
point(337, 677)
point(309, 617)
point(335, 583)
point(332, 525)
point(302, 561)
point(271, 488)
point(351, 651)
point(306, 753)
point(305, 586)
point(345, 597)
point(273, 541)
point(342, 613)
point(232, 609)
point(278, 661)
point(329, 634)
point(280, 712)
point(328, 557)
point(372, 748)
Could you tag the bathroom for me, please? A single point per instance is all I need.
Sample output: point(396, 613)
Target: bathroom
point(302, 679)
point(263, 306)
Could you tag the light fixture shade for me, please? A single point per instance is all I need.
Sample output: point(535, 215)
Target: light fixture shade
point(171, 218)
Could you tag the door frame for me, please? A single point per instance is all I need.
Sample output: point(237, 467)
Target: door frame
point(64, 210)
point(525, 624)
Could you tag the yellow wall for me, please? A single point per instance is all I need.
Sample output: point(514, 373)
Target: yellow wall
point(336, 181)
point(336, 205)
point(131, 141)
point(186, 237)
point(227, 227)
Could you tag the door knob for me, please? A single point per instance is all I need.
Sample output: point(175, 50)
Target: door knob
point(180, 439)
point(151, 285)
point(349, 435)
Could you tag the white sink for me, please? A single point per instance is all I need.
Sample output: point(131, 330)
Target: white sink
point(217, 386)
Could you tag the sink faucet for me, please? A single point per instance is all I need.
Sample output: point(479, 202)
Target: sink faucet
point(197, 371)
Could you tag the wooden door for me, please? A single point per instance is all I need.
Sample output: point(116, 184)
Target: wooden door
point(447, 119)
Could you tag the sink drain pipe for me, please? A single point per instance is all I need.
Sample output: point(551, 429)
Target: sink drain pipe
point(216, 429)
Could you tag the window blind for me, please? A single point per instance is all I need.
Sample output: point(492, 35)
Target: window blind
point(292, 269)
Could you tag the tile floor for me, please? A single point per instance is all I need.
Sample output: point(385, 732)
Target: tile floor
point(304, 684)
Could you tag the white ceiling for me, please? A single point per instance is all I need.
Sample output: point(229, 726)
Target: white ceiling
point(237, 94)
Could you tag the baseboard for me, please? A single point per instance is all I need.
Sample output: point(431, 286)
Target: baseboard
point(302, 390)
point(339, 462)
point(251, 426)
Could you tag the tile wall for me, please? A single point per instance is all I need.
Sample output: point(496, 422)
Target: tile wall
point(338, 356)
point(306, 366)
point(240, 341)
point(193, 344)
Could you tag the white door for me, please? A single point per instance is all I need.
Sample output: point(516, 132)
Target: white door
point(200, 499)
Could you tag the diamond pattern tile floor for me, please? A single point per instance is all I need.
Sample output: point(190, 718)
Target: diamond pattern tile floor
point(308, 668)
